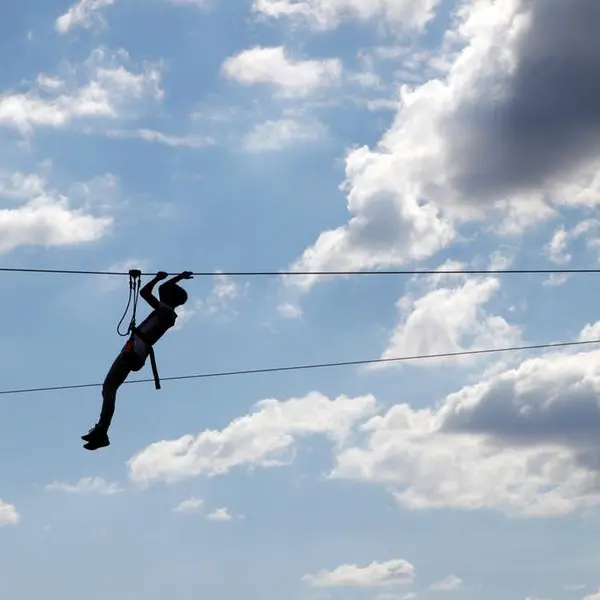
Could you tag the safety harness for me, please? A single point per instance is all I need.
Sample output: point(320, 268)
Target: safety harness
point(134, 291)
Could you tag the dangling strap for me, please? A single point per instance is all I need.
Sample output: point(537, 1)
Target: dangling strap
point(154, 369)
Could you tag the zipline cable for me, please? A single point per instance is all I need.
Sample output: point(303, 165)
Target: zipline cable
point(323, 273)
point(317, 366)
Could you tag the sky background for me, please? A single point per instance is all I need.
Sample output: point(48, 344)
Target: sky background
point(302, 135)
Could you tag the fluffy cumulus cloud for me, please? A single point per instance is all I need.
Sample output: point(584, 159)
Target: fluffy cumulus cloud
point(224, 293)
point(327, 14)
point(450, 317)
point(8, 514)
point(108, 91)
point(86, 14)
point(507, 136)
point(220, 301)
point(33, 214)
point(289, 76)
point(86, 485)
point(377, 574)
point(263, 438)
point(558, 248)
point(522, 441)
point(590, 333)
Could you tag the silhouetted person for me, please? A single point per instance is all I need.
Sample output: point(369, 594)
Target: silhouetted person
point(135, 352)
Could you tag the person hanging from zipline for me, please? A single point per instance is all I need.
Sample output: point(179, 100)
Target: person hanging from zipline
point(139, 345)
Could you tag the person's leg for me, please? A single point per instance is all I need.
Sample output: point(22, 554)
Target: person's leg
point(115, 378)
point(97, 437)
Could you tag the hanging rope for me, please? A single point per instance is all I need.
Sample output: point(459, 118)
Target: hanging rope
point(135, 282)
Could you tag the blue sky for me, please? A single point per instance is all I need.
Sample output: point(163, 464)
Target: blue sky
point(303, 135)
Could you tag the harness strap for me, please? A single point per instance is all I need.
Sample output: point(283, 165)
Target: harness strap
point(136, 331)
point(134, 292)
point(154, 369)
point(135, 283)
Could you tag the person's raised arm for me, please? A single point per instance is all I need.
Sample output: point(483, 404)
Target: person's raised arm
point(178, 278)
point(146, 291)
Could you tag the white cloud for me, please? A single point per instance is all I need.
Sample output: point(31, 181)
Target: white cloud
point(110, 285)
point(220, 301)
point(500, 261)
point(184, 315)
point(276, 135)
point(291, 77)
point(586, 226)
point(194, 505)
point(21, 186)
point(450, 583)
point(101, 192)
point(590, 332)
point(221, 514)
point(327, 14)
point(8, 514)
point(86, 13)
point(595, 596)
point(175, 141)
point(449, 319)
point(367, 79)
point(190, 505)
point(556, 279)
point(377, 574)
point(289, 311)
point(86, 485)
point(225, 291)
point(379, 104)
point(111, 90)
point(225, 288)
point(45, 218)
point(445, 159)
point(557, 247)
point(49, 83)
point(522, 441)
point(263, 438)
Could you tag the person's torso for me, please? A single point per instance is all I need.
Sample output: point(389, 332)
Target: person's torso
point(157, 323)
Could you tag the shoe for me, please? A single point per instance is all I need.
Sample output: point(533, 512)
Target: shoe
point(96, 438)
point(96, 444)
point(91, 434)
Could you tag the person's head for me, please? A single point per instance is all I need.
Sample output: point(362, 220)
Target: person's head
point(172, 294)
